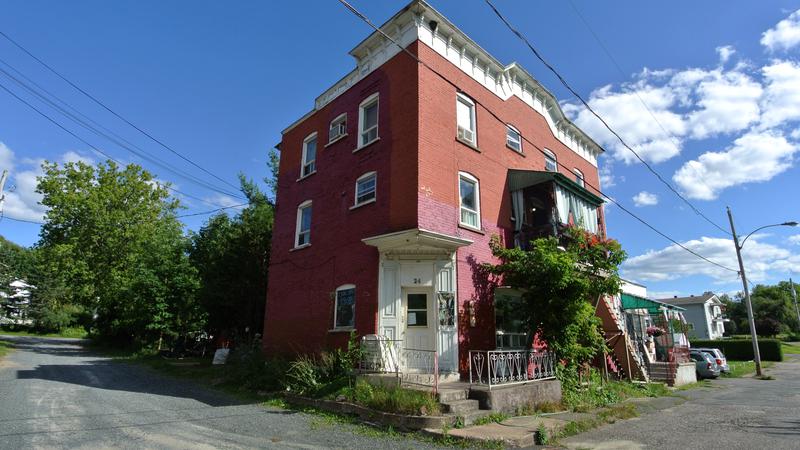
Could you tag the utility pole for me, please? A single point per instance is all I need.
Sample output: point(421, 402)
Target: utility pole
point(756, 353)
point(794, 296)
point(2, 186)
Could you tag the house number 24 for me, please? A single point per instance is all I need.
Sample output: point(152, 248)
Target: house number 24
point(417, 281)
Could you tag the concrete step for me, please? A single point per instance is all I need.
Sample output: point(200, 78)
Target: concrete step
point(461, 407)
point(471, 417)
point(451, 395)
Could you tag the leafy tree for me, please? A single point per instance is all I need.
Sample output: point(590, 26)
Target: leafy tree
point(16, 264)
point(560, 287)
point(232, 257)
point(111, 235)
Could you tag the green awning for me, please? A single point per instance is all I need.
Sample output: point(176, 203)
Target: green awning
point(652, 306)
point(520, 179)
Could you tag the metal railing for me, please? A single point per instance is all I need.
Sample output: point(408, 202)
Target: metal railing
point(380, 354)
point(506, 367)
point(414, 366)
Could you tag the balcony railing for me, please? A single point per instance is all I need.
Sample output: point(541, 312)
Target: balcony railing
point(507, 367)
point(415, 366)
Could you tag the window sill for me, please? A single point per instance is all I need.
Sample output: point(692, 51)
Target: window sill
point(306, 175)
point(342, 330)
point(519, 152)
point(300, 247)
point(469, 144)
point(367, 144)
point(473, 229)
point(362, 204)
point(337, 139)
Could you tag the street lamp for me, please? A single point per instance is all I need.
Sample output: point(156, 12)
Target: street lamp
point(756, 353)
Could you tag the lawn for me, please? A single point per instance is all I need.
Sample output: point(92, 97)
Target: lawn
point(67, 333)
point(742, 368)
point(791, 348)
point(5, 348)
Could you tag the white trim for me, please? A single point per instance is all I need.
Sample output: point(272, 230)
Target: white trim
point(367, 102)
point(580, 178)
point(477, 211)
point(330, 127)
point(519, 140)
point(467, 135)
point(343, 287)
point(374, 188)
point(300, 208)
point(554, 158)
point(303, 162)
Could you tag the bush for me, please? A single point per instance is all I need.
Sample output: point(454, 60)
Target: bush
point(742, 349)
point(392, 399)
point(768, 327)
point(248, 368)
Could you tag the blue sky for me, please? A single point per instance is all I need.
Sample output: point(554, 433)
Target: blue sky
point(218, 82)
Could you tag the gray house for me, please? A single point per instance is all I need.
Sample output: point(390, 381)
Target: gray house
point(703, 312)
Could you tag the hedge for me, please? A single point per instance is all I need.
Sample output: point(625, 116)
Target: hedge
point(742, 349)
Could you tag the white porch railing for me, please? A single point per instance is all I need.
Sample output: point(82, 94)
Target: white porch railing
point(415, 366)
point(506, 367)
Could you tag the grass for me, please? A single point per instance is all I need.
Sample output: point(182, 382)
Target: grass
point(76, 332)
point(5, 348)
point(491, 418)
point(602, 394)
point(604, 416)
point(742, 368)
point(391, 399)
point(790, 348)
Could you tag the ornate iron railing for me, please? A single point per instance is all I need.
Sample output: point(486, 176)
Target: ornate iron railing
point(505, 367)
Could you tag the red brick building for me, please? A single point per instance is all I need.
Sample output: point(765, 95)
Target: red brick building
point(392, 186)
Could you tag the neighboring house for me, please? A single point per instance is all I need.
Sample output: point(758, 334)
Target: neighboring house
point(392, 186)
point(14, 303)
point(704, 313)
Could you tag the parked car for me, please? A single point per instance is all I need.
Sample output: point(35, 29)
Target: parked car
point(719, 358)
point(705, 365)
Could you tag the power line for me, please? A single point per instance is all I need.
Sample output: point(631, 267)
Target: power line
point(541, 150)
point(2, 86)
point(103, 105)
point(594, 113)
point(116, 139)
point(213, 210)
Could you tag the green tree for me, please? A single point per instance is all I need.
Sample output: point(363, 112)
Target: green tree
point(16, 264)
point(560, 287)
point(111, 235)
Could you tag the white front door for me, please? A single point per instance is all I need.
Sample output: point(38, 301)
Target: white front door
point(418, 319)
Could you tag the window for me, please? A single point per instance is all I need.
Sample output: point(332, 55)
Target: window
point(465, 118)
point(338, 128)
point(550, 163)
point(303, 233)
point(309, 155)
point(417, 310)
point(513, 139)
point(344, 311)
point(579, 178)
point(365, 188)
point(470, 200)
point(572, 209)
point(510, 330)
point(368, 120)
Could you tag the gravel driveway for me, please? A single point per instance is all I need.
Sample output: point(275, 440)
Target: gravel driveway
point(55, 394)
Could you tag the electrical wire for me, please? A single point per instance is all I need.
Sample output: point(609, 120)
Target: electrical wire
point(213, 210)
point(103, 105)
point(541, 150)
point(594, 113)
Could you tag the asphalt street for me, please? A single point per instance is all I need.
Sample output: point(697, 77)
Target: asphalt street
point(56, 394)
point(734, 413)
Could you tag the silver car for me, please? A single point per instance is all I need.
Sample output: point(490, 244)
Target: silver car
point(719, 358)
point(705, 366)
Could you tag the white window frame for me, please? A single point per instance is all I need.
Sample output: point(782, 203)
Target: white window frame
point(367, 175)
point(337, 123)
point(298, 224)
point(303, 162)
point(553, 157)
point(462, 135)
point(579, 178)
point(366, 103)
point(470, 178)
point(343, 287)
point(510, 143)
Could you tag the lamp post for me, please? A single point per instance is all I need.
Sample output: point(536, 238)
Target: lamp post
point(748, 304)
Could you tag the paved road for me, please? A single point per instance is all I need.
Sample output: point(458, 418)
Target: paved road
point(55, 394)
point(743, 413)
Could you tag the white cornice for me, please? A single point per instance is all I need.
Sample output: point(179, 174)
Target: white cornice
point(413, 23)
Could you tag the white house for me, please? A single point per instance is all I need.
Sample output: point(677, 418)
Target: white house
point(704, 312)
point(14, 304)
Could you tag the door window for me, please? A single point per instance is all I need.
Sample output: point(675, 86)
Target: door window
point(417, 310)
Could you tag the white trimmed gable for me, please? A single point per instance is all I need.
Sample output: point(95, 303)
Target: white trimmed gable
point(414, 23)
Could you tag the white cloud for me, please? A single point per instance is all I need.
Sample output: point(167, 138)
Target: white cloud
point(24, 202)
point(663, 294)
point(645, 198)
point(6, 157)
point(782, 95)
point(725, 52)
point(785, 35)
point(223, 200)
point(754, 157)
point(673, 262)
point(74, 157)
point(794, 239)
point(727, 102)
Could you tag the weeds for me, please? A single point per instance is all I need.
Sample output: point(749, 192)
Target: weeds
point(491, 418)
point(541, 436)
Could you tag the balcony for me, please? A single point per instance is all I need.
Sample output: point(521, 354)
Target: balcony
point(546, 203)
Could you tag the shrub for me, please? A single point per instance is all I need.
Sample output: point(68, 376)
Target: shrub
point(768, 327)
point(742, 349)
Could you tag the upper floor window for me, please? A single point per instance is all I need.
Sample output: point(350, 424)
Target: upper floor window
point(368, 120)
point(365, 188)
point(469, 195)
point(513, 139)
point(344, 312)
point(303, 231)
point(309, 155)
point(465, 119)
point(338, 128)
point(550, 163)
point(579, 178)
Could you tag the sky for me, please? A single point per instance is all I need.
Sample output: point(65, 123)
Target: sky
point(708, 93)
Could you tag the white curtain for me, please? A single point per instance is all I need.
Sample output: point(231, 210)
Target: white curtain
point(583, 213)
point(518, 205)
